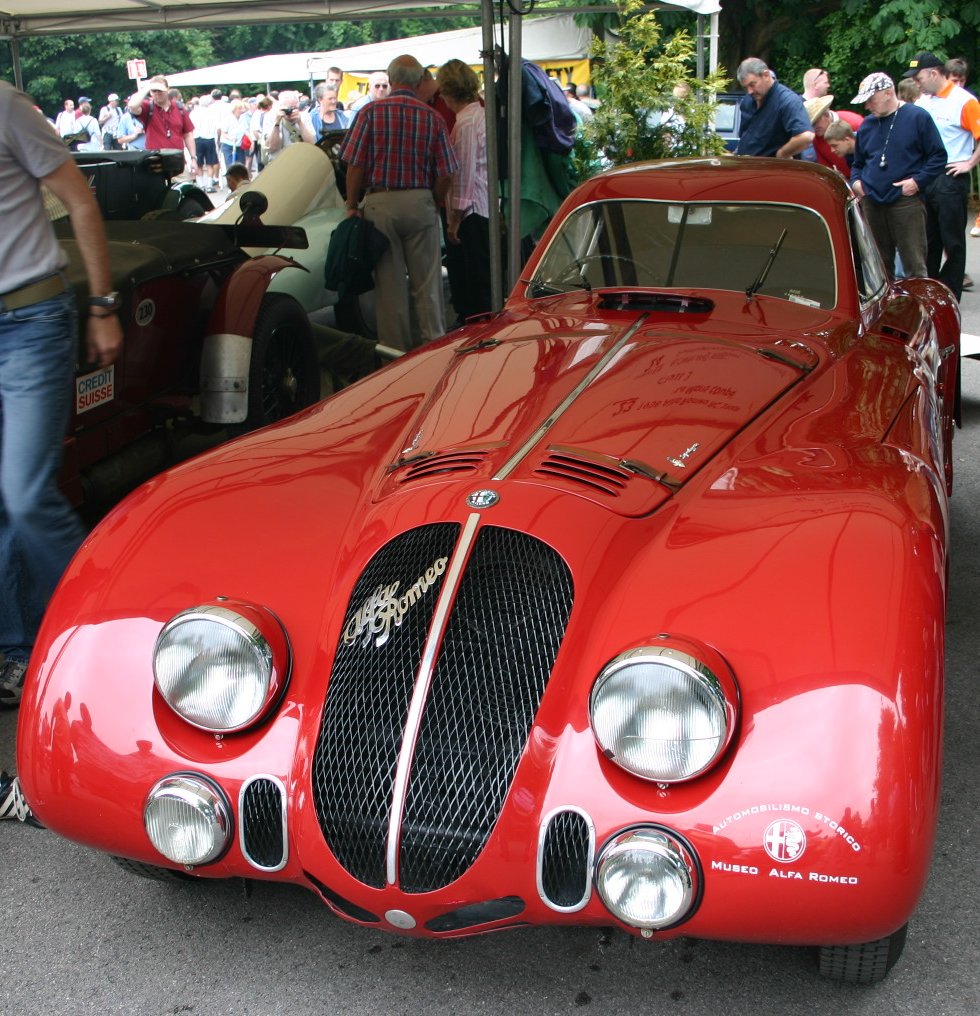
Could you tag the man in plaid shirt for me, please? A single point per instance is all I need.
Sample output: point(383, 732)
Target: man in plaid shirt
point(399, 161)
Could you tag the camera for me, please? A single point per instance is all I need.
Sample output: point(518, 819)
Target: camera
point(288, 110)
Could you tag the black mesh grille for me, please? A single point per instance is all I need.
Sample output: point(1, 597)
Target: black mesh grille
point(501, 641)
point(565, 859)
point(262, 824)
point(367, 699)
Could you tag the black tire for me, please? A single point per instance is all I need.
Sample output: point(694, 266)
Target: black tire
point(284, 373)
point(191, 207)
point(866, 963)
point(152, 871)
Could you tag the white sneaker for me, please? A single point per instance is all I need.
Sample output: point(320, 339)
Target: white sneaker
point(975, 231)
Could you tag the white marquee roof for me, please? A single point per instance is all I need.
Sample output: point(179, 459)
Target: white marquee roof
point(20, 18)
point(553, 37)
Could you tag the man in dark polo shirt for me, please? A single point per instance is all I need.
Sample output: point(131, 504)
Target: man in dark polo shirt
point(399, 155)
point(774, 119)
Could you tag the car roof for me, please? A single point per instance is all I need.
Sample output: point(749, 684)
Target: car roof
point(722, 178)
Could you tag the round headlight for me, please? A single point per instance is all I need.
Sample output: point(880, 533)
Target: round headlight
point(646, 878)
point(661, 714)
point(219, 667)
point(187, 819)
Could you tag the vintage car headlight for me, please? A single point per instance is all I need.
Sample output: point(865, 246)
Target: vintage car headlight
point(645, 877)
point(662, 714)
point(221, 666)
point(187, 819)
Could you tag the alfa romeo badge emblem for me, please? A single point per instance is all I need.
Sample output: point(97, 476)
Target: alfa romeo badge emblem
point(482, 499)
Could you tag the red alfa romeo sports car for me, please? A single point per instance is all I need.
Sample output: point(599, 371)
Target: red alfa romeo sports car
point(621, 606)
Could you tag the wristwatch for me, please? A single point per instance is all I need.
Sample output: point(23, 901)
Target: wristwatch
point(111, 301)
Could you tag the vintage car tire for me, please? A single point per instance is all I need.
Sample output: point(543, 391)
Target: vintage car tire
point(284, 374)
point(152, 871)
point(865, 963)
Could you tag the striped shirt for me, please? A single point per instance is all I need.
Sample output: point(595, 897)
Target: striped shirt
point(400, 143)
point(468, 190)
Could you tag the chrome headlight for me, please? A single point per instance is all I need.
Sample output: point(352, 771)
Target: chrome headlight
point(187, 819)
point(221, 666)
point(662, 714)
point(646, 878)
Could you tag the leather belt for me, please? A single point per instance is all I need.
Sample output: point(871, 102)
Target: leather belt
point(33, 292)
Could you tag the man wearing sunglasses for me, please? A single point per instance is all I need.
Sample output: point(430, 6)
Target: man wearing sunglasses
point(167, 124)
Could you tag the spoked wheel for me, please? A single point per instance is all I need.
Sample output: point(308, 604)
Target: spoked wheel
point(284, 374)
point(866, 963)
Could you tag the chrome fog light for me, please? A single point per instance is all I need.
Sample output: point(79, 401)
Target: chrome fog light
point(221, 666)
point(645, 877)
point(187, 819)
point(662, 714)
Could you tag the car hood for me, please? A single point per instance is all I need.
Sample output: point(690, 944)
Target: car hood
point(623, 412)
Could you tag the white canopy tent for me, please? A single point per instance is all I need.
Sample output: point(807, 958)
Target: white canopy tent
point(551, 37)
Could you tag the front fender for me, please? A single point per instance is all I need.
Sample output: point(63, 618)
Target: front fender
point(227, 349)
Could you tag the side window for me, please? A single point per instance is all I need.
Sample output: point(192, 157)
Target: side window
point(871, 275)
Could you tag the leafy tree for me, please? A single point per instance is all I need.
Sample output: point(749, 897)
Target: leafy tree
point(652, 107)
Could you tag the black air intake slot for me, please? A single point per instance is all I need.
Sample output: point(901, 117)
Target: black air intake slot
point(670, 303)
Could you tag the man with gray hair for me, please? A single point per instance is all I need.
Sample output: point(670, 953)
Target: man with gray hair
point(774, 119)
point(399, 160)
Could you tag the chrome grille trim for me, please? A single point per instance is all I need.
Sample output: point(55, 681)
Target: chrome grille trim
point(515, 460)
point(588, 861)
point(420, 692)
point(247, 823)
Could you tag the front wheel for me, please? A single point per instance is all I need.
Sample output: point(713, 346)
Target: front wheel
point(284, 373)
point(865, 963)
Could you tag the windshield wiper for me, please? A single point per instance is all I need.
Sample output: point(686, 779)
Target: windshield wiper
point(761, 278)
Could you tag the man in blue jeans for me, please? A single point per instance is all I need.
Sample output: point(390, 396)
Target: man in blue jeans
point(39, 532)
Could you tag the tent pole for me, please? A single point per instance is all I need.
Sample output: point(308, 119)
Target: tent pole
point(493, 166)
point(699, 47)
point(15, 61)
point(514, 107)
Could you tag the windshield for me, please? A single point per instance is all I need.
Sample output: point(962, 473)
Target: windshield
point(660, 245)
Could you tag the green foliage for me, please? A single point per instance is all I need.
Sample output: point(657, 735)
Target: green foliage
point(851, 38)
point(641, 82)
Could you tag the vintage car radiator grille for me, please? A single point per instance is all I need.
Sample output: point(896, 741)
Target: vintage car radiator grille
point(263, 824)
point(566, 860)
point(503, 634)
point(370, 688)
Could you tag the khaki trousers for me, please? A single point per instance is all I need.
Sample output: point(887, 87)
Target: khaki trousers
point(412, 262)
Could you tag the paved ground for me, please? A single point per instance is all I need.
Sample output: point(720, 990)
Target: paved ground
point(78, 936)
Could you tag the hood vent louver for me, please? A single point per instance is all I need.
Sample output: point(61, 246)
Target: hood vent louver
point(441, 464)
point(626, 487)
point(608, 478)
